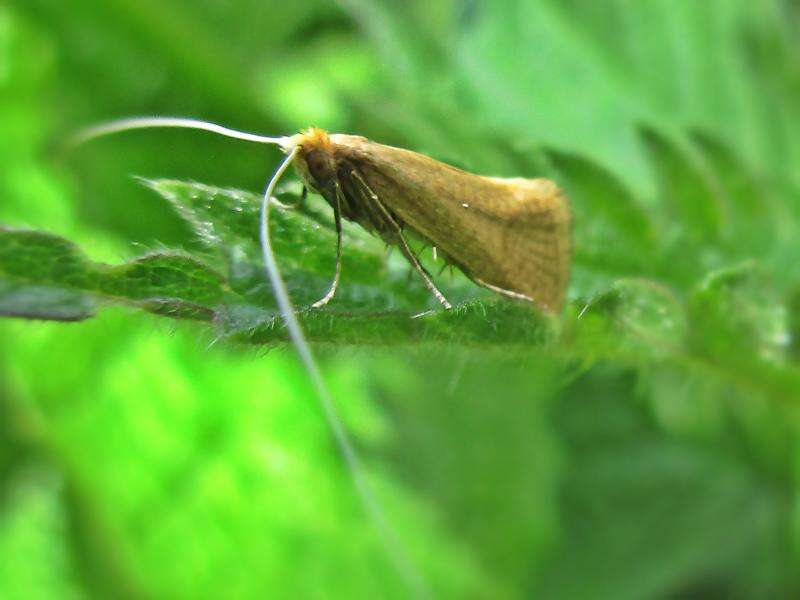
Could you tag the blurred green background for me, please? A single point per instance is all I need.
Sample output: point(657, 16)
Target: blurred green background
point(652, 453)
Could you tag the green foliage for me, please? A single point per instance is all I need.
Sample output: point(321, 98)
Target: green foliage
point(47, 277)
point(643, 445)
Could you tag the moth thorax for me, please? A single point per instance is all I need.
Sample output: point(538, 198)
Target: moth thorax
point(316, 158)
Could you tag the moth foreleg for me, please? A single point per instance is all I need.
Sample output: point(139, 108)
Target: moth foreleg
point(402, 243)
point(337, 217)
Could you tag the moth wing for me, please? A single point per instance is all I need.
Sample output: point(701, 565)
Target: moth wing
point(535, 252)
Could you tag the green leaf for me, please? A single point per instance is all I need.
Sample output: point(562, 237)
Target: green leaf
point(749, 206)
point(687, 191)
point(614, 236)
point(739, 306)
point(636, 321)
point(375, 304)
point(740, 325)
point(227, 221)
point(46, 277)
point(653, 515)
point(476, 324)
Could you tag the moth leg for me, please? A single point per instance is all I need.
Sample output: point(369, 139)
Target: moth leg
point(503, 291)
point(337, 217)
point(404, 247)
point(426, 277)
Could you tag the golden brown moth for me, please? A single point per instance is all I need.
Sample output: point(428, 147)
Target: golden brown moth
point(509, 235)
point(512, 236)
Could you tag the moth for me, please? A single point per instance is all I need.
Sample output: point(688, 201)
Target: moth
point(512, 236)
point(509, 235)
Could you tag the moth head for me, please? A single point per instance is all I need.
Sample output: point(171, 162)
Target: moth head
point(315, 161)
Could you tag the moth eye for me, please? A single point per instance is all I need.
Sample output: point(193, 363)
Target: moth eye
point(318, 167)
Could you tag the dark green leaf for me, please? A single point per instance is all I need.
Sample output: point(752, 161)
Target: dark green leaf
point(44, 276)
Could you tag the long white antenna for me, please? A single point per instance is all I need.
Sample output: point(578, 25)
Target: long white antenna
point(393, 544)
point(103, 129)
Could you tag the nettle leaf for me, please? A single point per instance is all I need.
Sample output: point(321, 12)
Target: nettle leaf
point(688, 193)
point(40, 273)
point(227, 222)
point(635, 320)
point(651, 515)
point(740, 325)
point(744, 195)
point(470, 324)
point(614, 235)
point(378, 302)
point(47, 277)
point(606, 201)
point(739, 306)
